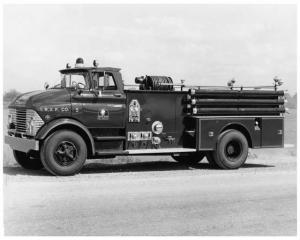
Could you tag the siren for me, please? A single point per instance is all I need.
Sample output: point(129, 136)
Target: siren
point(79, 63)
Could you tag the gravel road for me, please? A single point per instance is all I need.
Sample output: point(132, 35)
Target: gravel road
point(157, 197)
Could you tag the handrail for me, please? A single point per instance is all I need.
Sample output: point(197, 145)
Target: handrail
point(226, 87)
point(201, 87)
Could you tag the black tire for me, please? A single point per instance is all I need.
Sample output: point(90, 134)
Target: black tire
point(27, 161)
point(211, 160)
point(190, 159)
point(64, 153)
point(232, 150)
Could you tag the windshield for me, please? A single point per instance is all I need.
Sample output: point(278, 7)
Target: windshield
point(71, 80)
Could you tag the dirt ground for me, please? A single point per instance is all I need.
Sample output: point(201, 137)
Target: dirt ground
point(157, 196)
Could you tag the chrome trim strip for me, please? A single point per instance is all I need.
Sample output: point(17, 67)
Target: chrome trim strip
point(256, 116)
point(160, 150)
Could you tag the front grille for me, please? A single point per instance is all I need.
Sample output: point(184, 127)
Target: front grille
point(21, 120)
point(21, 116)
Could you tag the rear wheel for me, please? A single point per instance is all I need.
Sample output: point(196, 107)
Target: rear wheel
point(64, 153)
point(27, 160)
point(190, 159)
point(232, 150)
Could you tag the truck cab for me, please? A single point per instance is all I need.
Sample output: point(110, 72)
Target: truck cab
point(91, 114)
point(95, 94)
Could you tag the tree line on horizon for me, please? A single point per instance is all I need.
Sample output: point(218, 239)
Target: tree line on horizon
point(11, 94)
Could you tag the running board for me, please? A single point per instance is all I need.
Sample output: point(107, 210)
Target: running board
point(110, 138)
point(111, 153)
point(160, 150)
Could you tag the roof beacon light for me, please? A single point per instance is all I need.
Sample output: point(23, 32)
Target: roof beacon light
point(79, 63)
point(68, 65)
point(95, 63)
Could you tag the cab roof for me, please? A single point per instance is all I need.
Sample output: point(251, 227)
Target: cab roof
point(96, 69)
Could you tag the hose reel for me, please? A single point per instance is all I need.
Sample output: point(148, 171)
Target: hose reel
point(155, 83)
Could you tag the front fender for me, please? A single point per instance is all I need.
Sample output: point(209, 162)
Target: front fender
point(67, 123)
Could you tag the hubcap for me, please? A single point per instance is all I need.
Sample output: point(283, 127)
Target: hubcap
point(66, 153)
point(233, 150)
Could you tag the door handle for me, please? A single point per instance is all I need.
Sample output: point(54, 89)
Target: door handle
point(117, 94)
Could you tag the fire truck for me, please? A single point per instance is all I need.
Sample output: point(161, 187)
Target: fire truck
point(91, 114)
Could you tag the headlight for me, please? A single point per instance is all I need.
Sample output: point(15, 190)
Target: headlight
point(10, 121)
point(11, 118)
point(30, 127)
point(33, 122)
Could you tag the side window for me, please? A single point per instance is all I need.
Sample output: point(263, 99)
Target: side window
point(104, 81)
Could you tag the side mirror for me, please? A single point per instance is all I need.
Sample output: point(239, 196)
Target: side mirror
point(46, 85)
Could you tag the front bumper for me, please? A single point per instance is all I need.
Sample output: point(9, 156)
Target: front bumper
point(22, 144)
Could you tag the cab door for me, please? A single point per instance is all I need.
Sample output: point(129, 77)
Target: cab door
point(103, 106)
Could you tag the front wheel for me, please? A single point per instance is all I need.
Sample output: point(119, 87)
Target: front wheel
point(27, 161)
point(64, 153)
point(190, 159)
point(232, 150)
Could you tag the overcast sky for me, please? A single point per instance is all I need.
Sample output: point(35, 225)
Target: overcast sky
point(203, 44)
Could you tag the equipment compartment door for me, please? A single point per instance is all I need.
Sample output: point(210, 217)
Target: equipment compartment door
point(272, 132)
point(155, 107)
